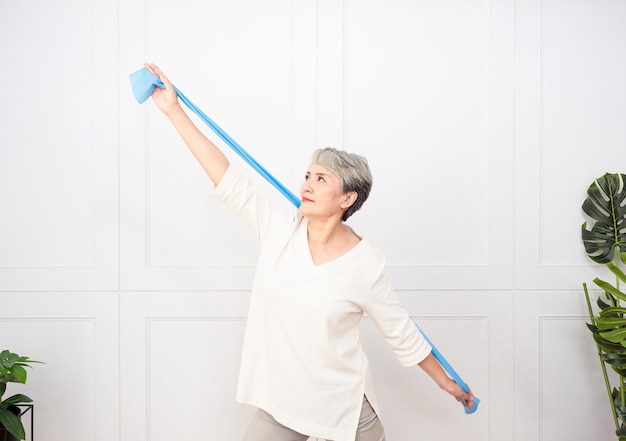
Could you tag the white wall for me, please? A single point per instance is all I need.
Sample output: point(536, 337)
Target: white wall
point(484, 122)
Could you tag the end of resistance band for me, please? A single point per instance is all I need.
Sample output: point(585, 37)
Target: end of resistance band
point(143, 82)
point(470, 410)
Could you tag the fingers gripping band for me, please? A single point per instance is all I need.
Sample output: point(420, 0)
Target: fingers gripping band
point(143, 83)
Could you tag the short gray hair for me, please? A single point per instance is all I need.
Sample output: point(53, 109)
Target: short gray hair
point(353, 171)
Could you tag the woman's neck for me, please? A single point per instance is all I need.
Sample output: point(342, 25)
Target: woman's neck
point(328, 241)
point(324, 232)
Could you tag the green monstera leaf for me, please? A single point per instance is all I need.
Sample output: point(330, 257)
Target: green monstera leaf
point(606, 205)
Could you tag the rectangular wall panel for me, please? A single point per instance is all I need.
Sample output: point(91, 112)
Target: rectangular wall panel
point(559, 387)
point(569, 102)
point(192, 397)
point(175, 235)
point(474, 336)
point(75, 392)
point(427, 93)
point(183, 350)
point(58, 155)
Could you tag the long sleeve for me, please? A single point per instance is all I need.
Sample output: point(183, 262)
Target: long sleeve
point(256, 212)
point(406, 341)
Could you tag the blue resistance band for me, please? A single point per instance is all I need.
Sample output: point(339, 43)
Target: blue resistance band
point(450, 370)
point(143, 83)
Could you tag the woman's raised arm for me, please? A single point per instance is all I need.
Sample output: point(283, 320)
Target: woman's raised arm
point(210, 157)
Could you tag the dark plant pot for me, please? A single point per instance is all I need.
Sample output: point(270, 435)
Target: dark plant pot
point(4, 434)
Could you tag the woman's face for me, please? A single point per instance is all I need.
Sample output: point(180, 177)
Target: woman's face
point(321, 193)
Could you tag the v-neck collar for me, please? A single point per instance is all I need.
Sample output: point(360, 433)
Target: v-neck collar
point(309, 256)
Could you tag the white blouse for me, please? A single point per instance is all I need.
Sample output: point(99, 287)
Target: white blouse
point(302, 359)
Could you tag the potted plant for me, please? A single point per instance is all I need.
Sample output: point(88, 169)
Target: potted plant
point(12, 370)
point(605, 243)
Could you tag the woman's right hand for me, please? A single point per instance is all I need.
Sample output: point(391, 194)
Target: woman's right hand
point(214, 162)
point(165, 99)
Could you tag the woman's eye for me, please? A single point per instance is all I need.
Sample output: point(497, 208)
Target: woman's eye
point(321, 178)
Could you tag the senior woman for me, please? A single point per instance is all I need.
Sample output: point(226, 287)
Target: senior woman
point(302, 363)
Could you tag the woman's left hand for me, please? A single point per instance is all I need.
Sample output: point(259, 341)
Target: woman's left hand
point(431, 366)
point(466, 398)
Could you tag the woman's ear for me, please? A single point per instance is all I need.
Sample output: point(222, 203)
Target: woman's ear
point(349, 199)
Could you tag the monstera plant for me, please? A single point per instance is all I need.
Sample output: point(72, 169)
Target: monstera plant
point(605, 243)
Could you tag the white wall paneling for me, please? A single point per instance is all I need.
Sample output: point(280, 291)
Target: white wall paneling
point(566, 72)
point(173, 190)
point(180, 357)
point(175, 236)
point(58, 155)
point(434, 115)
point(484, 122)
point(473, 333)
point(559, 387)
point(565, 68)
point(180, 360)
point(75, 392)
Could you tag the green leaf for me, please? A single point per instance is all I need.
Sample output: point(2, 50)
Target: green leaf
point(606, 345)
point(613, 311)
point(607, 287)
point(617, 360)
point(615, 336)
point(19, 372)
point(618, 272)
point(604, 305)
point(593, 328)
point(12, 367)
point(610, 322)
point(12, 423)
point(8, 359)
point(16, 399)
point(605, 205)
point(8, 378)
